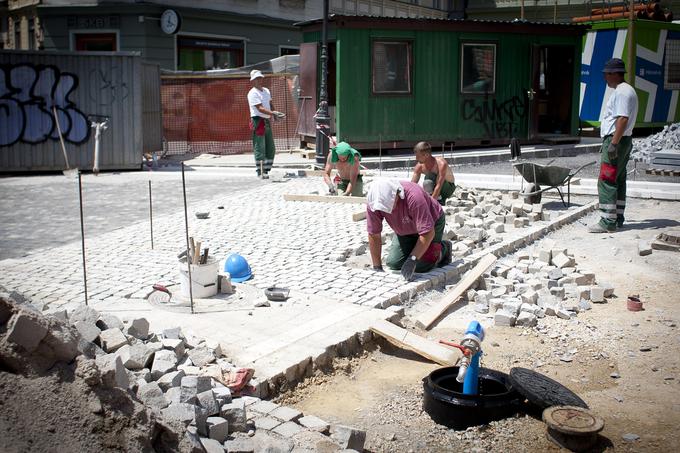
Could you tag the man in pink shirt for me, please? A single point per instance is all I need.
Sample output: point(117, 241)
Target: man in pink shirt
point(418, 222)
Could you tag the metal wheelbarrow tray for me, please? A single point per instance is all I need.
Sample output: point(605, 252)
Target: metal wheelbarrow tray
point(549, 176)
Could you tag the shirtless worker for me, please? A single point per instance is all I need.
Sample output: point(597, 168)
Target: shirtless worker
point(346, 160)
point(439, 181)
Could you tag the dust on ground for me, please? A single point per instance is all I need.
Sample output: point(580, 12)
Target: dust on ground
point(624, 364)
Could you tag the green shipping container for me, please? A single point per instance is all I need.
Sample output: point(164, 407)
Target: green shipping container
point(395, 82)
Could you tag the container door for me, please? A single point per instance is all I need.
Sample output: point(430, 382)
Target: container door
point(308, 98)
point(532, 92)
point(552, 91)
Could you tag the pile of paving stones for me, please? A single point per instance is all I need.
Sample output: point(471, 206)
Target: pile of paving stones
point(479, 218)
point(172, 374)
point(667, 139)
point(519, 291)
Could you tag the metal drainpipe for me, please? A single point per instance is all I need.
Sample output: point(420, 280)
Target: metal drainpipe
point(631, 45)
point(321, 116)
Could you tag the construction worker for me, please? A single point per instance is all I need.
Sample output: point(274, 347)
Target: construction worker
point(346, 160)
point(616, 128)
point(261, 110)
point(439, 181)
point(417, 221)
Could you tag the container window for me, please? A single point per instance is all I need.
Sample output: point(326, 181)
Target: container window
point(200, 54)
point(391, 67)
point(478, 68)
point(672, 72)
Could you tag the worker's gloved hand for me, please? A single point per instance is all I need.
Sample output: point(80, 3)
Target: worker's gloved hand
point(613, 151)
point(408, 269)
point(278, 115)
point(331, 190)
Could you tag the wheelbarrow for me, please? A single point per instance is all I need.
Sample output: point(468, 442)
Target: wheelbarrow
point(540, 178)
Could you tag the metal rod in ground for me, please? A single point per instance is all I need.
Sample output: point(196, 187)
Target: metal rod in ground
point(186, 230)
point(82, 232)
point(151, 214)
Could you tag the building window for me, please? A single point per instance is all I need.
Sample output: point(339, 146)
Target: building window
point(391, 67)
point(478, 68)
point(201, 54)
point(95, 42)
point(288, 50)
point(17, 34)
point(672, 73)
point(31, 34)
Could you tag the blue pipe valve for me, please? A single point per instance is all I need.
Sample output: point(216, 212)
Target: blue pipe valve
point(468, 373)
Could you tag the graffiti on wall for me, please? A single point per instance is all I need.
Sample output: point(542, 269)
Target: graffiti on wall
point(499, 119)
point(107, 87)
point(28, 94)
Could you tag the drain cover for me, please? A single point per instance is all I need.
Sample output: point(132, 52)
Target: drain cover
point(542, 391)
point(573, 428)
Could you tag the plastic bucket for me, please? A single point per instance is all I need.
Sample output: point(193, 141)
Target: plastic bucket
point(203, 278)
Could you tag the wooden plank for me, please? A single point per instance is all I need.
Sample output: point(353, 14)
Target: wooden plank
point(323, 198)
point(426, 319)
point(361, 215)
point(422, 346)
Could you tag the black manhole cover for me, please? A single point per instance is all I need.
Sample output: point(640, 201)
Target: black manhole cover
point(542, 391)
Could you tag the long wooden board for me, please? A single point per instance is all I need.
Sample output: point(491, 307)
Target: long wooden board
point(421, 346)
point(323, 198)
point(426, 319)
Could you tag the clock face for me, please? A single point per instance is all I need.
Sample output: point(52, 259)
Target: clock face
point(170, 21)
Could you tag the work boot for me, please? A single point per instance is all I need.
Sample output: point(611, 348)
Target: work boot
point(619, 221)
point(597, 228)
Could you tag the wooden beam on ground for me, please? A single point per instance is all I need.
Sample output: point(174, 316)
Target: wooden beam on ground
point(361, 215)
point(422, 346)
point(323, 198)
point(425, 320)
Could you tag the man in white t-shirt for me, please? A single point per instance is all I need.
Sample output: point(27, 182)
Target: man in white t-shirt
point(616, 129)
point(261, 110)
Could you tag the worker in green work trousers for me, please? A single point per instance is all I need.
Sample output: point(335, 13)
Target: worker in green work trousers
point(346, 160)
point(261, 110)
point(616, 129)
point(439, 181)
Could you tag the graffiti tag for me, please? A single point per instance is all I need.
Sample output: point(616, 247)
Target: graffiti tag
point(108, 90)
point(499, 119)
point(28, 93)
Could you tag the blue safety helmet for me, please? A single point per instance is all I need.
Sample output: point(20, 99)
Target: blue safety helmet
point(238, 268)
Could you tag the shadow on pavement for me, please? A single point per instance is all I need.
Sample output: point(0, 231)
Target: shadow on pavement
point(650, 224)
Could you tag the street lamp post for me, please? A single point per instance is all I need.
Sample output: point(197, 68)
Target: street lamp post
point(321, 117)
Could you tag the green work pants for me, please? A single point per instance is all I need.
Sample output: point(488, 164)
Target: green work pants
point(357, 188)
point(402, 246)
point(263, 145)
point(447, 188)
point(611, 185)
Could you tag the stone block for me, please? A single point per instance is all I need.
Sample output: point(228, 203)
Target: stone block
point(169, 380)
point(164, 362)
point(136, 356)
point(518, 222)
point(496, 303)
point(201, 356)
point(181, 412)
point(482, 308)
point(112, 371)
point(537, 208)
point(85, 314)
point(526, 319)
point(314, 423)
point(287, 429)
point(561, 260)
point(174, 344)
point(558, 292)
point(152, 396)
point(108, 321)
point(517, 209)
point(498, 227)
point(235, 414)
point(26, 331)
point(112, 339)
point(565, 281)
point(286, 414)
point(175, 333)
point(240, 445)
point(218, 428)
point(584, 305)
point(529, 297)
point(267, 423)
point(555, 273)
point(597, 294)
point(211, 445)
point(139, 328)
point(504, 318)
point(510, 219)
point(263, 407)
point(512, 307)
point(644, 248)
point(529, 308)
point(564, 314)
point(89, 331)
point(207, 401)
point(608, 289)
point(579, 279)
point(349, 438)
point(173, 394)
point(222, 395)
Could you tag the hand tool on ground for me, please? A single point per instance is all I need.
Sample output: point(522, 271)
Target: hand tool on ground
point(68, 172)
point(159, 287)
point(197, 253)
point(204, 258)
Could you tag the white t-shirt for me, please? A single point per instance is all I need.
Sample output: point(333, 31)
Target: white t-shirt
point(622, 102)
point(256, 97)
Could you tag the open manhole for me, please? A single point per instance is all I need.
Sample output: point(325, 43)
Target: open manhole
point(571, 427)
point(243, 298)
point(444, 401)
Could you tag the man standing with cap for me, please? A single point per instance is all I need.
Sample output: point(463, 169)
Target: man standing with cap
point(616, 128)
point(261, 110)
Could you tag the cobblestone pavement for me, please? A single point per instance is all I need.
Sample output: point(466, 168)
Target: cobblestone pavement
point(294, 244)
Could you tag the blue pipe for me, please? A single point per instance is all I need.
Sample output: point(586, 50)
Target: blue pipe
point(471, 382)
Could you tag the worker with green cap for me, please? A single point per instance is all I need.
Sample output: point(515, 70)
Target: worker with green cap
point(346, 160)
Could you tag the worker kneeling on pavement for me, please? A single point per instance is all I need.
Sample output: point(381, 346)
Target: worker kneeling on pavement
point(418, 222)
point(346, 160)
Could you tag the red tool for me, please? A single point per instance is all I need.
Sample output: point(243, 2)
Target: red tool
point(159, 287)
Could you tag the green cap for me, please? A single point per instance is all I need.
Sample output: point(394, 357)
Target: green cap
point(343, 149)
